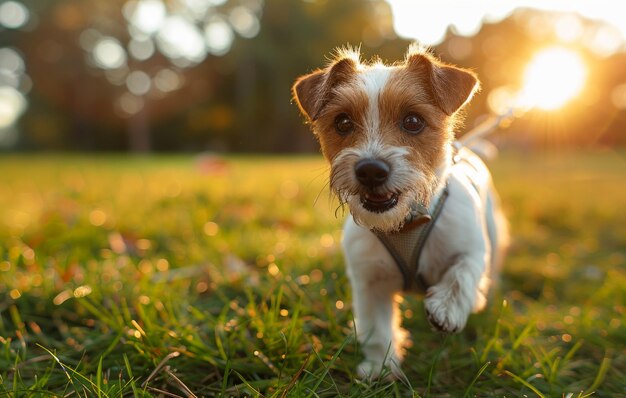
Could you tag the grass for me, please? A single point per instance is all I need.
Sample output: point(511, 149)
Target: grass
point(179, 276)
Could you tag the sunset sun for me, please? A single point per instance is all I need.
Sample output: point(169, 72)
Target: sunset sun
point(554, 76)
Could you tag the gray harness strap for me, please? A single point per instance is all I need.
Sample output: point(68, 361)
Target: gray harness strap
point(406, 245)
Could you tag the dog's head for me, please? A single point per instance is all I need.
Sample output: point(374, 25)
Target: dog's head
point(386, 130)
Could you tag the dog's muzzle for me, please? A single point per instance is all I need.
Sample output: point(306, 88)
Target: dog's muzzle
point(373, 173)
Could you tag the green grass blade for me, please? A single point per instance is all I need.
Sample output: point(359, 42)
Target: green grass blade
point(225, 377)
point(604, 368)
point(99, 377)
point(71, 373)
point(129, 370)
point(525, 383)
point(326, 367)
point(480, 372)
point(432, 367)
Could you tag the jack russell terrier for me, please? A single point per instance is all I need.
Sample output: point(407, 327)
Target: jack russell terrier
point(423, 213)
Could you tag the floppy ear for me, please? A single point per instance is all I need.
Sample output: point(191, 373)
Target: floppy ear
point(452, 86)
point(313, 91)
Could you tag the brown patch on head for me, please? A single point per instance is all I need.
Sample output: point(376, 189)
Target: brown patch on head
point(432, 90)
point(347, 99)
point(313, 91)
point(327, 93)
point(451, 86)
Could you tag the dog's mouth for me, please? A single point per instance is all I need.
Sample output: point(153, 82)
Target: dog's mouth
point(379, 203)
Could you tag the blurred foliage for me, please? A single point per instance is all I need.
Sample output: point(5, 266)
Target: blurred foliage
point(240, 100)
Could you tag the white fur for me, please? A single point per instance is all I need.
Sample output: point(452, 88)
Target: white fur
point(372, 80)
point(457, 262)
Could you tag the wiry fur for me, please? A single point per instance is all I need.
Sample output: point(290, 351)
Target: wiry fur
point(349, 190)
point(467, 242)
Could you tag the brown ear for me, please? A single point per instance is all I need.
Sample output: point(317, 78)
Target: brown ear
point(313, 91)
point(452, 86)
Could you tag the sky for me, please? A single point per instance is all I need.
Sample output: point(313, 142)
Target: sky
point(427, 20)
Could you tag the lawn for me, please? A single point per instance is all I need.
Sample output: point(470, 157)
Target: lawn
point(199, 276)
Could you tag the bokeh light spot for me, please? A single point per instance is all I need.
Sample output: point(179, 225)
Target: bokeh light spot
point(219, 36)
point(12, 105)
point(202, 287)
point(273, 269)
point(141, 50)
point(13, 15)
point(97, 217)
point(460, 47)
point(146, 15)
point(129, 104)
point(605, 41)
point(108, 53)
point(501, 99)
point(244, 21)
point(5, 266)
point(180, 39)
point(11, 61)
point(138, 83)
point(568, 28)
point(211, 228)
point(167, 80)
point(162, 265)
point(327, 240)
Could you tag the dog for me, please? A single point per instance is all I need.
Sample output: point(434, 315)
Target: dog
point(423, 212)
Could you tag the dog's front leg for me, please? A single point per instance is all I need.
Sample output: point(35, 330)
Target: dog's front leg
point(377, 320)
point(375, 281)
point(450, 302)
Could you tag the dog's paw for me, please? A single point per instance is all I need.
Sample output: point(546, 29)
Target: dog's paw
point(444, 310)
point(373, 370)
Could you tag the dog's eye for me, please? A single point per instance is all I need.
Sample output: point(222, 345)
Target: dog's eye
point(343, 124)
point(413, 123)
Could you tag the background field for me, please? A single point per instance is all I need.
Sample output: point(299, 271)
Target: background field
point(207, 276)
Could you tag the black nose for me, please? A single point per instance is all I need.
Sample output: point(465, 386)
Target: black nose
point(371, 172)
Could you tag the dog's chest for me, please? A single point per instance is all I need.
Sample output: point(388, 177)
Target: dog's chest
point(456, 230)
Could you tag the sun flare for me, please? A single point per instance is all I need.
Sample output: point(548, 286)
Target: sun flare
point(553, 77)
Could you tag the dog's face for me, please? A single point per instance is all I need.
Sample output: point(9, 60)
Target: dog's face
point(385, 130)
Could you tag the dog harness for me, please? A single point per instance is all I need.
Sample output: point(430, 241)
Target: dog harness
point(407, 244)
